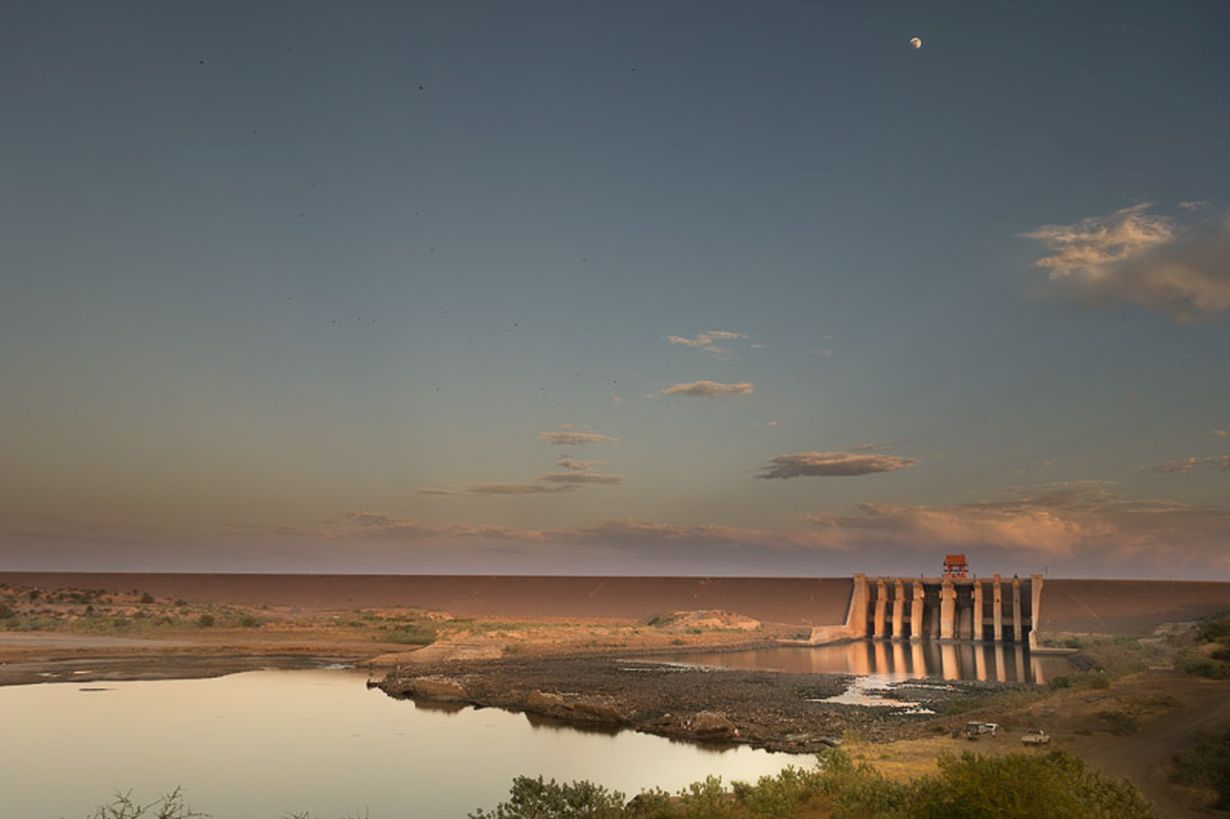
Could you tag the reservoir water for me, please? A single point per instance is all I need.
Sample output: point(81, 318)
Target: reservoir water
point(262, 744)
point(987, 662)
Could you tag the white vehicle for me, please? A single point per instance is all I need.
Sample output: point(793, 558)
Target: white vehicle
point(1035, 736)
point(973, 730)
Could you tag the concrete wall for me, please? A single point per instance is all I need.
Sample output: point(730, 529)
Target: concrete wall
point(1127, 607)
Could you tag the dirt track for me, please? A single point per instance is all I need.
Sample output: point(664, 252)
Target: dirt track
point(1145, 757)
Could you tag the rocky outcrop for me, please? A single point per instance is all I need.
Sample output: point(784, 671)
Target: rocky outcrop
point(712, 725)
point(578, 708)
point(442, 689)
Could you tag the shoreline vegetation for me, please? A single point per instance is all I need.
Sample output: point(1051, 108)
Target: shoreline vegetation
point(1053, 784)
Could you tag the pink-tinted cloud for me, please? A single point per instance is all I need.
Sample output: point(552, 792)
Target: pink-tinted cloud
point(1137, 256)
point(571, 435)
point(707, 340)
point(708, 389)
point(1212, 463)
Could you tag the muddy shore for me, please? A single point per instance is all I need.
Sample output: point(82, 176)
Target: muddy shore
point(774, 710)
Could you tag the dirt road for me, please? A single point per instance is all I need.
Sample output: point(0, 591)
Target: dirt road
point(1145, 757)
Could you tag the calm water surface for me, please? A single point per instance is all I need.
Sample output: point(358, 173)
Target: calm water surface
point(896, 661)
point(261, 744)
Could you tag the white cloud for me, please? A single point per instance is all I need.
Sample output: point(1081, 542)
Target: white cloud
point(1136, 256)
point(707, 340)
point(1220, 433)
point(833, 464)
point(574, 478)
point(1213, 463)
point(571, 435)
point(708, 389)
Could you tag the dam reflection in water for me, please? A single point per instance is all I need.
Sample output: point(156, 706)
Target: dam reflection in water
point(985, 662)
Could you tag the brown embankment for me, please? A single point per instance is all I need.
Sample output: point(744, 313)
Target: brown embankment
point(803, 601)
point(1104, 606)
point(1127, 607)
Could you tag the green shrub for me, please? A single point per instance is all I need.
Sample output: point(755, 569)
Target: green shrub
point(6, 612)
point(248, 621)
point(1206, 765)
point(1120, 723)
point(413, 634)
point(1055, 785)
point(205, 621)
point(147, 598)
point(536, 799)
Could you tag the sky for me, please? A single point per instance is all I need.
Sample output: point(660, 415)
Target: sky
point(636, 288)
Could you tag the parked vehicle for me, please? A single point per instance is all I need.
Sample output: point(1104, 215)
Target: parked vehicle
point(973, 730)
point(1035, 736)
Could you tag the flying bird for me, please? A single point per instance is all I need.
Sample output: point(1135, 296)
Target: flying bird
point(916, 42)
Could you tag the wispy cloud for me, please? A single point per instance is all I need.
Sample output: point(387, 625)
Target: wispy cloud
point(1060, 520)
point(496, 489)
point(1084, 521)
point(708, 389)
point(1220, 433)
point(575, 464)
point(860, 461)
point(707, 340)
point(574, 478)
point(1136, 256)
point(1213, 463)
point(571, 435)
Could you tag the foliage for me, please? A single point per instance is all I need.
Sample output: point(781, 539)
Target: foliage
point(536, 799)
point(169, 806)
point(1014, 786)
point(1206, 765)
point(413, 634)
point(205, 621)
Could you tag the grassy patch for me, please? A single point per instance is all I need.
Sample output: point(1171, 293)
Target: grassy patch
point(1206, 765)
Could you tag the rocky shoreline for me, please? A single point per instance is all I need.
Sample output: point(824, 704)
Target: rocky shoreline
point(773, 710)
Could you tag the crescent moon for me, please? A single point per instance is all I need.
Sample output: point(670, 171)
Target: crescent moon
point(916, 42)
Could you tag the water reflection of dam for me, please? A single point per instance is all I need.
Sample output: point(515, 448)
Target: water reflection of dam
point(947, 608)
point(986, 662)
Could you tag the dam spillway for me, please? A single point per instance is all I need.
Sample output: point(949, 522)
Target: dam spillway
point(919, 609)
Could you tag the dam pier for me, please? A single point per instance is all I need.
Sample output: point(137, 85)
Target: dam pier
point(944, 608)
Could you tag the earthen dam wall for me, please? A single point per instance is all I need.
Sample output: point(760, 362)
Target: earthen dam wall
point(1117, 607)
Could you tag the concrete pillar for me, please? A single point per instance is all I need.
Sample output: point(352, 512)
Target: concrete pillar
point(898, 658)
point(1035, 606)
point(980, 630)
point(898, 610)
point(916, 611)
point(1016, 609)
point(950, 663)
point(997, 613)
point(856, 618)
point(948, 609)
point(881, 604)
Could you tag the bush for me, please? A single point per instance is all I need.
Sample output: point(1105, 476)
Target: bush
point(6, 612)
point(535, 799)
point(1056, 785)
point(170, 806)
point(1206, 765)
point(205, 621)
point(248, 621)
point(413, 634)
point(147, 598)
